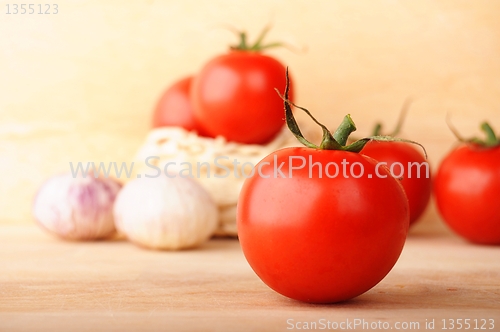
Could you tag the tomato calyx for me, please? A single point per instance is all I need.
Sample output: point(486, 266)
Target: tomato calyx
point(490, 141)
point(337, 140)
point(377, 131)
point(258, 46)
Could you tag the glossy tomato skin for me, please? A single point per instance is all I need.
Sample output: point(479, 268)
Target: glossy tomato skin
point(467, 192)
point(416, 181)
point(321, 240)
point(234, 96)
point(174, 107)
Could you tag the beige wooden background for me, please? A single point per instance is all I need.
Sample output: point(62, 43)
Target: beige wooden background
point(80, 85)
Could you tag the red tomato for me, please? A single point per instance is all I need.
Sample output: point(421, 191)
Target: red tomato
point(415, 172)
point(467, 190)
point(234, 96)
point(321, 239)
point(174, 108)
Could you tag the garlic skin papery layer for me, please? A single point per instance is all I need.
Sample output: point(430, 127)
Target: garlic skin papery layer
point(167, 213)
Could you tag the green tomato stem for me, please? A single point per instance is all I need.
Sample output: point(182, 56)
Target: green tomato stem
point(491, 140)
point(243, 42)
point(257, 46)
point(377, 131)
point(344, 130)
point(336, 141)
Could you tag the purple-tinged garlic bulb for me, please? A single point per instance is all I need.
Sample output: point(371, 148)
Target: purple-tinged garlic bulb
point(77, 208)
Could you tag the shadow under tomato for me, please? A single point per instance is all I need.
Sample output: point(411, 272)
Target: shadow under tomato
point(414, 296)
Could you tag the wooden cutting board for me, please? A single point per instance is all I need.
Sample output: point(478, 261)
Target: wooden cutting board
point(51, 285)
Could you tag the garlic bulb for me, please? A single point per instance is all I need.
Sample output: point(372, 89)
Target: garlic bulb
point(165, 212)
point(77, 208)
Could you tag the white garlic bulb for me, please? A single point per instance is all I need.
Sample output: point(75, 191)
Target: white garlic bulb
point(163, 212)
point(77, 208)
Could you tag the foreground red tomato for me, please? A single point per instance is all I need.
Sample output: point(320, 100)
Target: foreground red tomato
point(323, 239)
point(408, 163)
point(174, 108)
point(467, 192)
point(234, 96)
point(322, 224)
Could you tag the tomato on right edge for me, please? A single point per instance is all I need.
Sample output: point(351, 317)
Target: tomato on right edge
point(404, 160)
point(467, 192)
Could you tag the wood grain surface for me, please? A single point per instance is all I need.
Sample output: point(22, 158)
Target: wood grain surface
point(50, 285)
point(81, 85)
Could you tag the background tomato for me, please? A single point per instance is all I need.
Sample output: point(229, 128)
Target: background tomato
point(174, 107)
point(416, 181)
point(234, 96)
point(322, 239)
point(467, 192)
